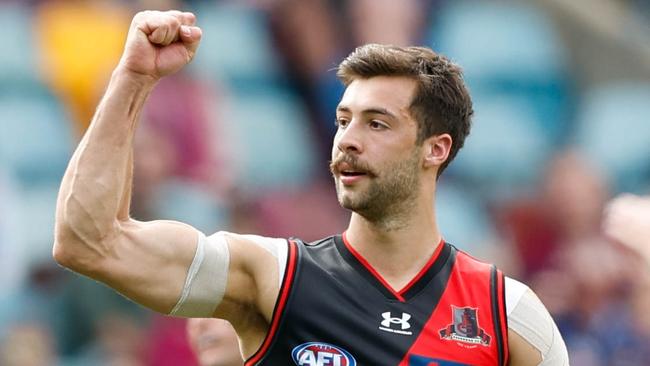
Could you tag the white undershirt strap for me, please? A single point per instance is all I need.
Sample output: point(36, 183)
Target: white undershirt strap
point(528, 317)
point(277, 247)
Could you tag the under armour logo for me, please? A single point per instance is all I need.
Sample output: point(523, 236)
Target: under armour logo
point(390, 320)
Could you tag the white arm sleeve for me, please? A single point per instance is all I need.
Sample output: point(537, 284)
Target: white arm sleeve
point(528, 317)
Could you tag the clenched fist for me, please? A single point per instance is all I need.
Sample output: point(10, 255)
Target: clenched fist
point(160, 43)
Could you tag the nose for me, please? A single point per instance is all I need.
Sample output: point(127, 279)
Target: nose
point(349, 139)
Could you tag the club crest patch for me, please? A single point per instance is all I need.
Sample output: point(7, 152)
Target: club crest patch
point(465, 327)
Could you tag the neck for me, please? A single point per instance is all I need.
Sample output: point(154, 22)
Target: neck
point(397, 252)
point(408, 236)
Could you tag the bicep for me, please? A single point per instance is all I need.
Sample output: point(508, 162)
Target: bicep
point(148, 262)
point(173, 268)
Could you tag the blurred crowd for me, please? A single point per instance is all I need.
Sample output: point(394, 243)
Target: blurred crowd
point(240, 141)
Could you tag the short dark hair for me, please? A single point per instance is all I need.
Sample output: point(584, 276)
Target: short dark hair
point(441, 103)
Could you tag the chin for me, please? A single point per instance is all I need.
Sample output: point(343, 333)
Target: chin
point(349, 199)
point(351, 204)
point(346, 201)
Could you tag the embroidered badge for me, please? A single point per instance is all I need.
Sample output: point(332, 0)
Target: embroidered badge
point(465, 327)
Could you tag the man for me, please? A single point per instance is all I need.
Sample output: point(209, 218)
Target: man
point(214, 342)
point(389, 291)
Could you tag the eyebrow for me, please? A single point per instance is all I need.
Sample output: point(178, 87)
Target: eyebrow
point(372, 110)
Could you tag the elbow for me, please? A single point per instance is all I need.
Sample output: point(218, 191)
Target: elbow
point(64, 243)
point(61, 256)
point(71, 252)
point(83, 236)
point(61, 249)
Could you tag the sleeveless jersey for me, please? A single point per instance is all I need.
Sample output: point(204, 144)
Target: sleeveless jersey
point(334, 309)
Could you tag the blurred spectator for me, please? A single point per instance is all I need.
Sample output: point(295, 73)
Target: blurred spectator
point(575, 193)
point(559, 239)
point(214, 341)
point(565, 211)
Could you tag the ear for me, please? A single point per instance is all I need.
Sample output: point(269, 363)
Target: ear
point(436, 150)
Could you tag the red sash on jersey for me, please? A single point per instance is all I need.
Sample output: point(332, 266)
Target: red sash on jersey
point(469, 324)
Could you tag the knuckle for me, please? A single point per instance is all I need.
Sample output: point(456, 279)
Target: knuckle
point(139, 16)
point(146, 14)
point(143, 17)
point(170, 20)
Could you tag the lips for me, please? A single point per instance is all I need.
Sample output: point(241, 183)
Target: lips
point(349, 174)
point(348, 170)
point(349, 180)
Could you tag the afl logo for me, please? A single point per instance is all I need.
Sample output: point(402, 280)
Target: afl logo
point(321, 354)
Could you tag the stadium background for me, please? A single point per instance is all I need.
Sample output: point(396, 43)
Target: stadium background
point(240, 139)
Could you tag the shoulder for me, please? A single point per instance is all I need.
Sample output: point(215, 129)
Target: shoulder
point(248, 241)
point(515, 291)
point(255, 254)
point(250, 250)
point(533, 324)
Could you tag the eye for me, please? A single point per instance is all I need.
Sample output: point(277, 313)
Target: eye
point(377, 125)
point(341, 122)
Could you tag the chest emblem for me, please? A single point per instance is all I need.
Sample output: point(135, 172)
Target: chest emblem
point(399, 325)
point(465, 327)
point(321, 354)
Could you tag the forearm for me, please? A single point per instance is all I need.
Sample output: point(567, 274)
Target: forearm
point(95, 191)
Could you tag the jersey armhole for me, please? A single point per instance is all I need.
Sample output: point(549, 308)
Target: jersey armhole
point(280, 304)
point(499, 314)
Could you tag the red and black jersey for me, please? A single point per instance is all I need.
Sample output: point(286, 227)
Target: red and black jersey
point(334, 309)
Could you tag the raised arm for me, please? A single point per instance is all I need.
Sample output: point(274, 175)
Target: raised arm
point(94, 234)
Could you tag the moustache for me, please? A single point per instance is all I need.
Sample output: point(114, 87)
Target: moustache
point(353, 163)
